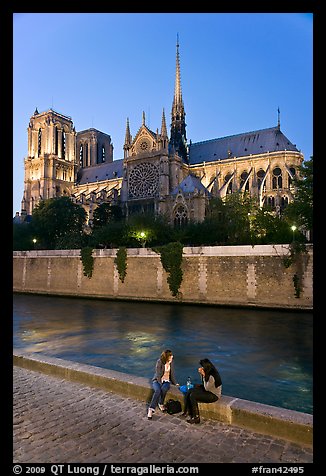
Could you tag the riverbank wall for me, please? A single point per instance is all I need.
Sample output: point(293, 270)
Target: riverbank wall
point(254, 276)
point(264, 419)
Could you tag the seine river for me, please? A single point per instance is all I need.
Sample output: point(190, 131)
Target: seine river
point(262, 355)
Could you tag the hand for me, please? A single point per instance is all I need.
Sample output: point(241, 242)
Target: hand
point(177, 385)
point(201, 371)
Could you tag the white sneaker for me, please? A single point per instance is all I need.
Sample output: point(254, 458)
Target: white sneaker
point(150, 413)
point(161, 407)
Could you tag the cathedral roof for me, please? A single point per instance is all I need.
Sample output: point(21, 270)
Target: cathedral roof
point(189, 185)
point(105, 171)
point(240, 145)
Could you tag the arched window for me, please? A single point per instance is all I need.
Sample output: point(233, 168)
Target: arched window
point(271, 202)
point(180, 216)
point(292, 170)
point(39, 142)
point(81, 155)
point(63, 150)
point(227, 178)
point(56, 141)
point(243, 178)
point(277, 178)
point(86, 154)
point(260, 177)
point(284, 202)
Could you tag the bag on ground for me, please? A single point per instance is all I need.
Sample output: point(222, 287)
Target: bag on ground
point(173, 406)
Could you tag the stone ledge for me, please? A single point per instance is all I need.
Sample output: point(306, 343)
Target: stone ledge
point(265, 419)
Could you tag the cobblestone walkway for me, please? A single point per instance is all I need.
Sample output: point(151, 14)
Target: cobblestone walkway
point(58, 421)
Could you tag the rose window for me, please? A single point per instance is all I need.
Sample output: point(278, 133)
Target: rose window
point(144, 181)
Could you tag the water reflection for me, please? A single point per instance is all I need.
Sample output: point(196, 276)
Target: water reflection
point(264, 356)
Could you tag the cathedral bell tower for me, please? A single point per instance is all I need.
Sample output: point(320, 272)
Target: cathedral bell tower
point(50, 166)
point(178, 140)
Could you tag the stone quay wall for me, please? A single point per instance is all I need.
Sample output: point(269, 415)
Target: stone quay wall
point(254, 276)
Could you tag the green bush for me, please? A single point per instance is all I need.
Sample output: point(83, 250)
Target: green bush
point(171, 259)
point(87, 260)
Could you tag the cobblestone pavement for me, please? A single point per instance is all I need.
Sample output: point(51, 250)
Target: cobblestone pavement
point(58, 421)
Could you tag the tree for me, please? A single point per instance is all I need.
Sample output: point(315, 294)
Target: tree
point(58, 223)
point(238, 208)
point(300, 211)
point(106, 213)
point(22, 236)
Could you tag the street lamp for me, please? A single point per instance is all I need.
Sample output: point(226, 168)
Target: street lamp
point(142, 235)
point(34, 242)
point(293, 228)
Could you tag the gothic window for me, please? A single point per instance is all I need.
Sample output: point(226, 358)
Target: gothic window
point(260, 177)
point(39, 143)
point(81, 155)
point(292, 170)
point(277, 178)
point(86, 154)
point(56, 141)
point(284, 202)
point(144, 181)
point(227, 178)
point(243, 179)
point(271, 202)
point(63, 150)
point(180, 216)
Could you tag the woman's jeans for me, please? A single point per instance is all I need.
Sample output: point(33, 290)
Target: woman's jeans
point(160, 390)
point(197, 394)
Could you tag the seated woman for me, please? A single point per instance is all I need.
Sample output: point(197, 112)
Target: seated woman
point(163, 377)
point(208, 392)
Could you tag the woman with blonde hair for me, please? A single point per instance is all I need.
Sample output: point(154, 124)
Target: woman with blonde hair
point(161, 382)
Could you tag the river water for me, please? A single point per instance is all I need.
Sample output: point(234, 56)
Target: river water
point(262, 355)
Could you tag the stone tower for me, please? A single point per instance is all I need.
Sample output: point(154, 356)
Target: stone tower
point(50, 166)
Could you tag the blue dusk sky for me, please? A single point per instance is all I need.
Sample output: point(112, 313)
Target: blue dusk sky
point(237, 69)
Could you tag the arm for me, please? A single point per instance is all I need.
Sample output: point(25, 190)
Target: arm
point(159, 370)
point(172, 375)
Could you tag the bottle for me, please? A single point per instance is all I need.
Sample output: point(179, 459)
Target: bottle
point(188, 383)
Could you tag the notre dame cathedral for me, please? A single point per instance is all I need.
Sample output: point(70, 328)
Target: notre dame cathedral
point(158, 173)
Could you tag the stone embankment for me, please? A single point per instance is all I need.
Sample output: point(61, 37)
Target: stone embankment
point(263, 419)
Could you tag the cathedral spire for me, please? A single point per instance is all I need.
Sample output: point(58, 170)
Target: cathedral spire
point(177, 100)
point(163, 126)
point(128, 135)
point(178, 142)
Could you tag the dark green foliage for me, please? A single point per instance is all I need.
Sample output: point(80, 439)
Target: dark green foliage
point(171, 259)
point(57, 222)
point(121, 262)
point(112, 235)
point(23, 237)
point(300, 211)
point(106, 213)
point(87, 260)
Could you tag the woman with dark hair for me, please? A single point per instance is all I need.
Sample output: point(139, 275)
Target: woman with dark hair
point(208, 392)
point(163, 377)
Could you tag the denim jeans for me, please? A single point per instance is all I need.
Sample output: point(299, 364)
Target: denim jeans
point(160, 390)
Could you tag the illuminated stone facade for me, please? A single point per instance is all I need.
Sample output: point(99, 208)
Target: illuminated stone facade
point(159, 174)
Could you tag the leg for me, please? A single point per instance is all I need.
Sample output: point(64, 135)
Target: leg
point(200, 395)
point(156, 395)
point(164, 390)
point(187, 405)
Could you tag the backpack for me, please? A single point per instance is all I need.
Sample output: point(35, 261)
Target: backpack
point(173, 406)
